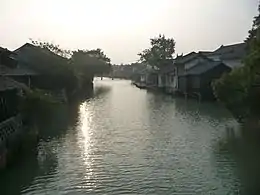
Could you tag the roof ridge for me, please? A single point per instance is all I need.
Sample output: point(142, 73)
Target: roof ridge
point(230, 45)
point(240, 43)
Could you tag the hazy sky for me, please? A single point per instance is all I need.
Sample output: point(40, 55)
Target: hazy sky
point(122, 28)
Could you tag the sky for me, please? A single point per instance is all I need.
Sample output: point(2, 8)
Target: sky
point(122, 28)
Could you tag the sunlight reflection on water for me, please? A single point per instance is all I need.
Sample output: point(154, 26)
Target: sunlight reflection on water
point(129, 141)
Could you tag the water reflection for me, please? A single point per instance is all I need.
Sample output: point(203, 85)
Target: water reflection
point(38, 170)
point(28, 174)
point(19, 176)
point(239, 152)
point(58, 121)
point(128, 141)
point(184, 132)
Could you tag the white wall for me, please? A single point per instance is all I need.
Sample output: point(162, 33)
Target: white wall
point(143, 78)
point(193, 62)
point(160, 83)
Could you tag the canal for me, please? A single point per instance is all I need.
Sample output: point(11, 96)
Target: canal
point(124, 140)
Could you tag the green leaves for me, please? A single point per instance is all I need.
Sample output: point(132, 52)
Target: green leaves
point(160, 52)
point(91, 62)
point(240, 89)
point(71, 69)
point(233, 90)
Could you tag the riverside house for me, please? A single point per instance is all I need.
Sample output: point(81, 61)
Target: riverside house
point(37, 59)
point(10, 67)
point(197, 81)
point(146, 78)
point(11, 124)
point(12, 130)
point(192, 74)
point(195, 72)
point(231, 55)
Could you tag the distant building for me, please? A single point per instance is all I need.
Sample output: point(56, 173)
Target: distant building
point(127, 71)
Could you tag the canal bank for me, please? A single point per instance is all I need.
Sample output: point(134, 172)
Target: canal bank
point(123, 140)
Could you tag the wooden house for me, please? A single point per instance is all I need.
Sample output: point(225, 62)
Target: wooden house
point(193, 73)
point(179, 67)
point(231, 55)
point(11, 67)
point(167, 78)
point(11, 121)
point(46, 63)
point(197, 81)
point(9, 92)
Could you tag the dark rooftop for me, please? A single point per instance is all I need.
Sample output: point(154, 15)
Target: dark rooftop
point(185, 58)
point(236, 51)
point(188, 57)
point(203, 67)
point(39, 59)
point(9, 84)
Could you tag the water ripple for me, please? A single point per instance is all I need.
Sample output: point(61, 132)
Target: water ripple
point(129, 141)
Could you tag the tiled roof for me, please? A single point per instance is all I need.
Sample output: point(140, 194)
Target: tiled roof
point(190, 56)
point(204, 66)
point(5, 50)
point(185, 58)
point(38, 58)
point(236, 51)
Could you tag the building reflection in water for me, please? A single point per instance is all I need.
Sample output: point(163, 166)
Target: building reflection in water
point(239, 151)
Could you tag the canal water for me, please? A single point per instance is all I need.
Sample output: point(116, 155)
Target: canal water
point(124, 140)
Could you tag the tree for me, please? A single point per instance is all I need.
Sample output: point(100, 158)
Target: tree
point(56, 68)
point(53, 48)
point(160, 52)
point(99, 54)
point(240, 89)
point(92, 62)
point(251, 39)
point(65, 65)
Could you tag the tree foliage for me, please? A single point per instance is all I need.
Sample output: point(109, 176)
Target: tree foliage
point(72, 68)
point(52, 47)
point(160, 52)
point(240, 89)
point(253, 33)
point(90, 62)
point(99, 54)
point(233, 90)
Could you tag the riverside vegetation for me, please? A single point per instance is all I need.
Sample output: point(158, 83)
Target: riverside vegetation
point(239, 90)
point(71, 72)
